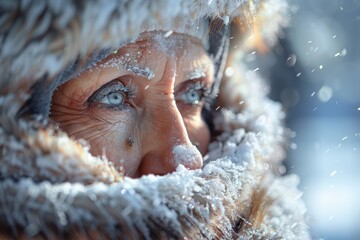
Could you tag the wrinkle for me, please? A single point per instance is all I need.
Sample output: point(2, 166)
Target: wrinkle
point(74, 120)
point(75, 99)
point(92, 128)
point(109, 118)
point(62, 108)
point(96, 135)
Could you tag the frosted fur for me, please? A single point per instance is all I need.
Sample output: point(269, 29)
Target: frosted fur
point(188, 203)
point(49, 53)
point(52, 187)
point(174, 15)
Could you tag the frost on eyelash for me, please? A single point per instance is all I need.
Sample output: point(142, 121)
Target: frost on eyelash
point(129, 65)
point(187, 155)
point(198, 73)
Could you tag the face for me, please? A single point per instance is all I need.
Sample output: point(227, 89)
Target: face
point(141, 106)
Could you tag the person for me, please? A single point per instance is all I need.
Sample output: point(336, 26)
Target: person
point(141, 113)
point(116, 121)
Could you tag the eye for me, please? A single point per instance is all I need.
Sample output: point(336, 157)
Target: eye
point(194, 94)
point(113, 99)
point(112, 95)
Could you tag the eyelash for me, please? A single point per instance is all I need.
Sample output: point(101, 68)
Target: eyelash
point(129, 91)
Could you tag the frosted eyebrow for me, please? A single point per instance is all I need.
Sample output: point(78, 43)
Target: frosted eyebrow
point(143, 72)
point(130, 66)
point(197, 73)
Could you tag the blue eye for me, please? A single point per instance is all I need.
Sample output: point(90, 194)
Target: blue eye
point(192, 96)
point(112, 95)
point(114, 99)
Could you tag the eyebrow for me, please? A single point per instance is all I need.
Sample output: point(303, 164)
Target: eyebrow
point(197, 73)
point(143, 72)
point(200, 68)
point(121, 63)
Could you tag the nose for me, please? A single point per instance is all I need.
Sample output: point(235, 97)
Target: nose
point(167, 144)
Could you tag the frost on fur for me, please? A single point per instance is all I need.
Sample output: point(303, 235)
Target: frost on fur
point(50, 185)
point(82, 192)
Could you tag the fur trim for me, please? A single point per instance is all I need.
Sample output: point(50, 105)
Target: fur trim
point(80, 28)
point(220, 201)
point(52, 187)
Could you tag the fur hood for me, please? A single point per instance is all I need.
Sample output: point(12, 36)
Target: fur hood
point(52, 187)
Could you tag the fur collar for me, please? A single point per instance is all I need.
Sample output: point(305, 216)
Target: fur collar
point(52, 187)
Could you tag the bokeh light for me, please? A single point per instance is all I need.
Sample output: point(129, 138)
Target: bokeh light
point(315, 72)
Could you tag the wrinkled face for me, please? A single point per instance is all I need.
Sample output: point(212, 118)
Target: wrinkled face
point(141, 106)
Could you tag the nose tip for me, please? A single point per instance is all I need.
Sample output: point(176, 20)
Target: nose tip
point(166, 161)
point(187, 155)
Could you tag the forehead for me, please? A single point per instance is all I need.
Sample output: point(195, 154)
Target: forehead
point(154, 57)
point(170, 42)
point(154, 50)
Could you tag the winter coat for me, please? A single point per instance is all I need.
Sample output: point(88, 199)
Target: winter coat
point(51, 186)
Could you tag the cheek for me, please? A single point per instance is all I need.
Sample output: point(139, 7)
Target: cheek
point(108, 133)
point(120, 148)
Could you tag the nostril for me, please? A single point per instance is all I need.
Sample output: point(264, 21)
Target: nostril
point(187, 155)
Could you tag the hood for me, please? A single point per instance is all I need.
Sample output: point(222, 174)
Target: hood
point(52, 187)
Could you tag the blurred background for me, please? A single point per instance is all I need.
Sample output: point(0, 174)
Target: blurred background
point(315, 72)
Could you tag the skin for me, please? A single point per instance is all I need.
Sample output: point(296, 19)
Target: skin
point(141, 134)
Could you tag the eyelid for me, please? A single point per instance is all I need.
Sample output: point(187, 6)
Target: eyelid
point(204, 83)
